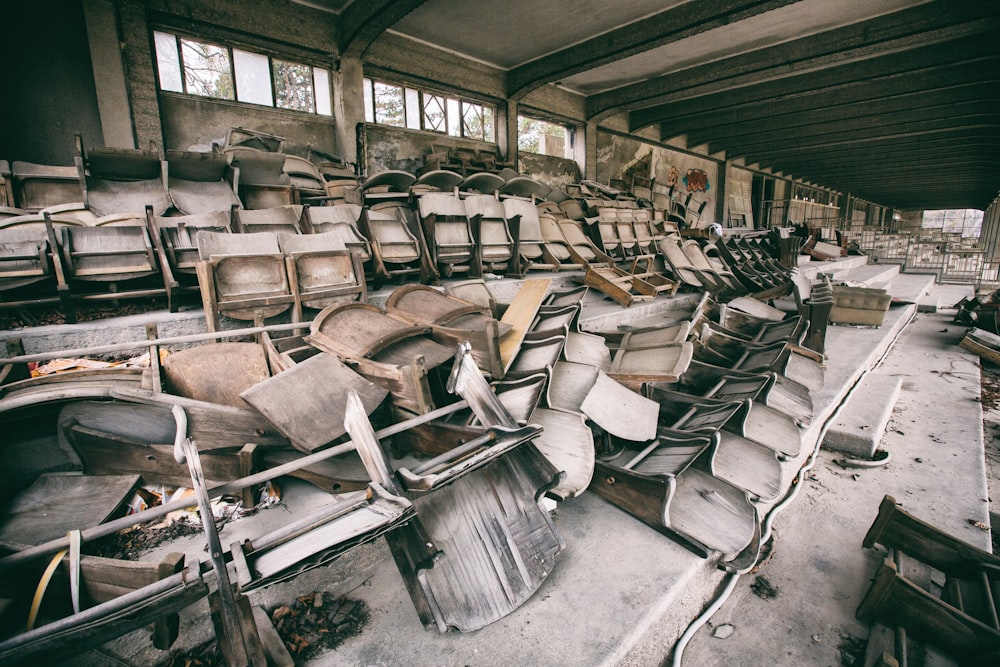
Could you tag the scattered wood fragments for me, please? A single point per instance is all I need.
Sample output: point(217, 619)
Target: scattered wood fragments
point(318, 622)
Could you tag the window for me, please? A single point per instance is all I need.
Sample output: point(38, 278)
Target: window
point(194, 67)
point(402, 106)
point(540, 136)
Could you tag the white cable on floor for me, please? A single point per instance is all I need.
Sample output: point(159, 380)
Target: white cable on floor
point(730, 581)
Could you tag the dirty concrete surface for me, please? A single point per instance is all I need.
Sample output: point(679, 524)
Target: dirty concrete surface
point(817, 567)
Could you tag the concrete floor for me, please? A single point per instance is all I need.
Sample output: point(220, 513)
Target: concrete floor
point(817, 565)
point(621, 593)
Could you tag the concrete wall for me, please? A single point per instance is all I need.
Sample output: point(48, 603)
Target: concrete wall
point(399, 148)
point(556, 172)
point(616, 153)
point(49, 91)
point(193, 123)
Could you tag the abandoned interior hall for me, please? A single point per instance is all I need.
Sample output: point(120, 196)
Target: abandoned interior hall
point(417, 332)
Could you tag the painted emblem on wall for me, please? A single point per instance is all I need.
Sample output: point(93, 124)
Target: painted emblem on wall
point(696, 180)
point(673, 177)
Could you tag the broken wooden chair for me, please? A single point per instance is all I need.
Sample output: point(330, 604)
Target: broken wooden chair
point(453, 321)
point(262, 180)
point(581, 248)
point(122, 180)
point(496, 250)
point(666, 363)
point(475, 291)
point(392, 186)
point(38, 186)
point(242, 276)
point(659, 485)
point(388, 350)
point(201, 182)
point(620, 285)
point(607, 231)
point(814, 303)
point(473, 513)
point(961, 617)
point(308, 184)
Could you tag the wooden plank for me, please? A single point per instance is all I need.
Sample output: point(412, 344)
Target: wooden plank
point(56, 503)
point(306, 402)
point(519, 315)
point(275, 650)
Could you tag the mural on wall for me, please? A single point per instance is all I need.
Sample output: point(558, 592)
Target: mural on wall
point(618, 156)
point(696, 180)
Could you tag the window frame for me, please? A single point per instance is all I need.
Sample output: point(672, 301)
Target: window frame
point(229, 48)
point(446, 101)
point(568, 127)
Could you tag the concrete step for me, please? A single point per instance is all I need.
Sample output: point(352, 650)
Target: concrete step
point(859, 427)
point(875, 276)
point(910, 287)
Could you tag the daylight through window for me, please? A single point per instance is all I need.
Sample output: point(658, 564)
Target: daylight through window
point(190, 66)
point(540, 136)
point(402, 106)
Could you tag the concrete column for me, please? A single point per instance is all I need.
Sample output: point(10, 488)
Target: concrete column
point(109, 73)
point(348, 106)
point(589, 156)
point(140, 76)
point(507, 132)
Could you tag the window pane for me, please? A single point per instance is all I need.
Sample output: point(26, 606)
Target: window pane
point(472, 120)
point(434, 116)
point(369, 102)
point(489, 132)
point(539, 136)
point(388, 104)
point(167, 62)
point(293, 86)
point(321, 81)
point(454, 118)
point(253, 77)
point(412, 109)
point(206, 69)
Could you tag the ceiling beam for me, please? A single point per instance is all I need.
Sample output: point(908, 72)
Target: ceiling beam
point(852, 116)
point(361, 23)
point(883, 36)
point(668, 26)
point(934, 80)
point(834, 134)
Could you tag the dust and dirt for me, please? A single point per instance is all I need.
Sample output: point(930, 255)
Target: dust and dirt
point(763, 588)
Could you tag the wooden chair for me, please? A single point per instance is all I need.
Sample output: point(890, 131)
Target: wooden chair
point(447, 232)
point(262, 180)
point(495, 245)
point(176, 244)
point(242, 276)
point(277, 219)
point(396, 249)
point(38, 186)
point(342, 219)
point(531, 244)
point(322, 271)
point(122, 180)
point(201, 182)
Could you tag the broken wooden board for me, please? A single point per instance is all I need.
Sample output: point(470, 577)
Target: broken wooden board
point(306, 402)
point(319, 538)
point(568, 443)
point(497, 544)
point(620, 411)
point(216, 373)
point(520, 314)
point(58, 503)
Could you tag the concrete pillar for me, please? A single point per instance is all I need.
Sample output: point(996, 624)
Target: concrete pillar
point(589, 156)
point(109, 73)
point(507, 132)
point(348, 106)
point(140, 60)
